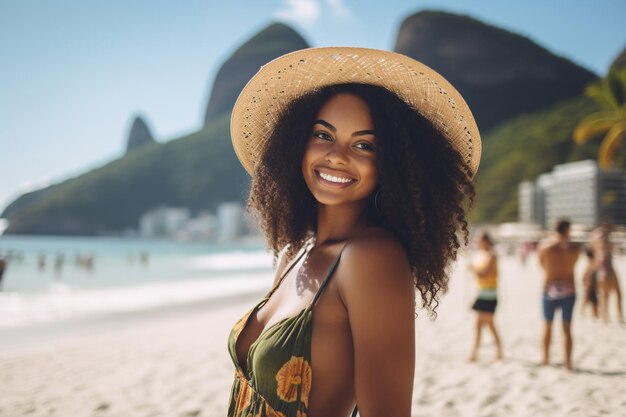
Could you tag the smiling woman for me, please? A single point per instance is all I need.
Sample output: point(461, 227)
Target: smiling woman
point(362, 165)
point(340, 153)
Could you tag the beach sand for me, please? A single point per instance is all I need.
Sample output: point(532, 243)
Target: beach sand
point(176, 364)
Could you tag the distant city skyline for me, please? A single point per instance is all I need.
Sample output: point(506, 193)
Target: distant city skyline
point(75, 75)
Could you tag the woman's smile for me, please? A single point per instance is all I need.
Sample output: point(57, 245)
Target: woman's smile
point(339, 164)
point(333, 178)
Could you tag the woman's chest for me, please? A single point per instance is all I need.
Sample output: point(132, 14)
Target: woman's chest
point(319, 333)
point(287, 309)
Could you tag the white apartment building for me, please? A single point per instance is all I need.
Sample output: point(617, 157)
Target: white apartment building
point(580, 191)
point(230, 224)
point(163, 221)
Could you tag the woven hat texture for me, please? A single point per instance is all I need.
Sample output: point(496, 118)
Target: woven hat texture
point(290, 76)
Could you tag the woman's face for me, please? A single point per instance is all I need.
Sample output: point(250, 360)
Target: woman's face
point(339, 164)
point(484, 244)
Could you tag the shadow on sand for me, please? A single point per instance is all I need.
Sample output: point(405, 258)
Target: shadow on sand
point(586, 371)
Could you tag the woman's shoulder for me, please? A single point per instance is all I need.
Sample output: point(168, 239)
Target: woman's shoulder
point(375, 270)
point(374, 254)
point(375, 244)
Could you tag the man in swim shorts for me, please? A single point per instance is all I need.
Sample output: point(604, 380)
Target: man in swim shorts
point(558, 256)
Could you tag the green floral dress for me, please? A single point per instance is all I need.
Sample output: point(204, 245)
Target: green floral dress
point(279, 376)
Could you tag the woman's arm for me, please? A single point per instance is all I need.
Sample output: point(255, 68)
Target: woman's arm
point(485, 268)
point(379, 294)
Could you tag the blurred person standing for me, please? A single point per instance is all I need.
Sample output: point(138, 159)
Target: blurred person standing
point(3, 265)
point(590, 294)
point(558, 256)
point(608, 283)
point(41, 261)
point(485, 267)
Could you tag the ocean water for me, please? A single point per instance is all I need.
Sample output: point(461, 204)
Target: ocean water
point(47, 279)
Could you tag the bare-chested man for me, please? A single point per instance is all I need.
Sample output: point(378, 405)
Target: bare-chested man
point(558, 257)
point(602, 248)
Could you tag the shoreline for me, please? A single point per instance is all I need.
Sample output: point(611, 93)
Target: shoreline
point(48, 334)
point(63, 303)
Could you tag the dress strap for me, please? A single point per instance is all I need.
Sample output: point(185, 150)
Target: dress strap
point(305, 249)
point(328, 275)
point(356, 410)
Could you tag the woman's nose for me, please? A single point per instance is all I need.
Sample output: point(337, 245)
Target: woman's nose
point(337, 155)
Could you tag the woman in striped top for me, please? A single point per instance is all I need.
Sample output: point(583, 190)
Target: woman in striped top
point(485, 267)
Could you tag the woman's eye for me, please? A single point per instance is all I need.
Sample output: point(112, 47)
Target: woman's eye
point(322, 135)
point(365, 146)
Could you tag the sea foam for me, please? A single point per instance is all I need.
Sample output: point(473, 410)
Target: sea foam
point(62, 302)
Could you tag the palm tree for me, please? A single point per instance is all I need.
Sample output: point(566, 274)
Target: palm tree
point(610, 94)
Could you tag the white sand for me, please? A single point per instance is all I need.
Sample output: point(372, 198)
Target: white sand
point(177, 365)
point(447, 385)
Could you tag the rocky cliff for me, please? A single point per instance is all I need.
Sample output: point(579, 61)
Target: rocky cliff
point(501, 74)
point(272, 42)
point(139, 135)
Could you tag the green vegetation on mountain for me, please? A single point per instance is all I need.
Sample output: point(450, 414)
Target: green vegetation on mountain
point(197, 171)
point(499, 73)
point(619, 61)
point(29, 199)
point(610, 122)
point(523, 148)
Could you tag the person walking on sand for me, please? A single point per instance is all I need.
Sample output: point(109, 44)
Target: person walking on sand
point(558, 256)
point(606, 276)
point(485, 266)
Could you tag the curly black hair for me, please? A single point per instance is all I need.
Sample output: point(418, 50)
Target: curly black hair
point(425, 187)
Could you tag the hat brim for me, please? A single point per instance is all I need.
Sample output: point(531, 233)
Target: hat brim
point(262, 101)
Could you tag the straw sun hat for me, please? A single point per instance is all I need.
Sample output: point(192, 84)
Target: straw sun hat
point(288, 77)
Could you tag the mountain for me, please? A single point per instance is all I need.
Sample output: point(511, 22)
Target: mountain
point(197, 171)
point(620, 60)
point(499, 73)
point(272, 42)
point(139, 135)
point(516, 99)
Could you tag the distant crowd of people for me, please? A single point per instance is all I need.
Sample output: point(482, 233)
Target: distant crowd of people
point(57, 262)
point(557, 256)
point(82, 261)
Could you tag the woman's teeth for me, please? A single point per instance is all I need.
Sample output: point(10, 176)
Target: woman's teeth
point(332, 178)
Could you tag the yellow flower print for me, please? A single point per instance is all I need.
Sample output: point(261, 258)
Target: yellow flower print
point(244, 397)
point(296, 372)
point(270, 412)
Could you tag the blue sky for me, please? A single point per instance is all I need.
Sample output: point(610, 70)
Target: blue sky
point(74, 73)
